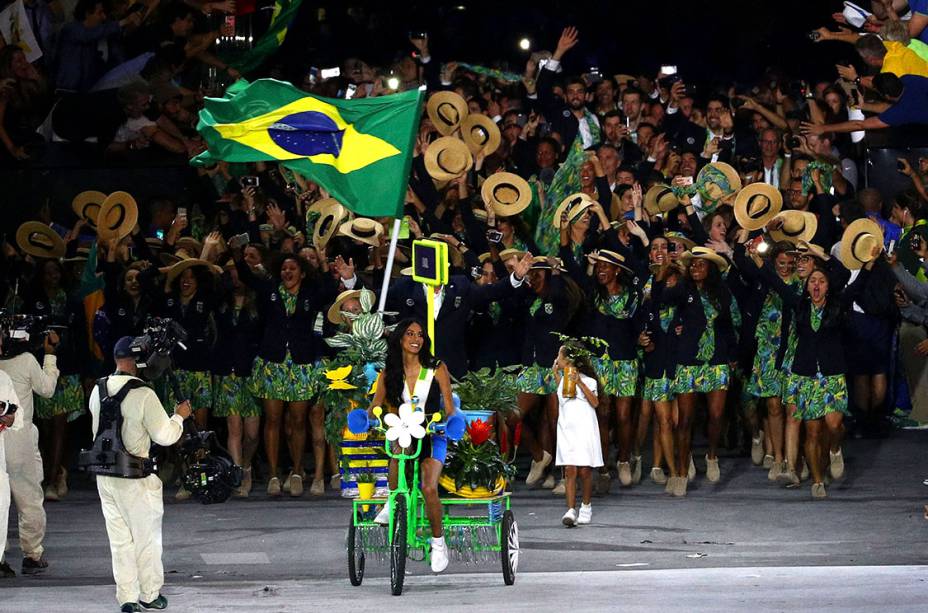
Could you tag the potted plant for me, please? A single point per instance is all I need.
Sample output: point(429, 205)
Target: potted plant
point(475, 467)
point(487, 391)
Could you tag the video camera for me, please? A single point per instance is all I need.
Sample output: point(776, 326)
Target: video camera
point(22, 332)
point(152, 351)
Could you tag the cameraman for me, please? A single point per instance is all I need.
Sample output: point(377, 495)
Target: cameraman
point(10, 419)
point(23, 461)
point(133, 508)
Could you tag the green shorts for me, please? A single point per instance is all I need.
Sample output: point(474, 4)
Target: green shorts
point(286, 381)
point(232, 397)
point(537, 379)
point(701, 379)
point(619, 377)
point(658, 390)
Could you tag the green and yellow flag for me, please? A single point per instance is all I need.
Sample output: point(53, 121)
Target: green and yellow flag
point(272, 39)
point(358, 150)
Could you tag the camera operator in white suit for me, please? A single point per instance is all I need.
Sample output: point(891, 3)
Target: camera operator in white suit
point(23, 460)
point(8, 422)
point(133, 508)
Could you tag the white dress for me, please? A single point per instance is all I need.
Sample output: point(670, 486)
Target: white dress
point(577, 429)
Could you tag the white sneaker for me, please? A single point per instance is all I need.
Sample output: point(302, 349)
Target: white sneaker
point(713, 474)
point(561, 488)
point(439, 555)
point(570, 518)
point(383, 518)
point(537, 471)
point(585, 515)
point(837, 464)
point(691, 471)
point(658, 475)
point(549, 482)
point(768, 461)
point(625, 473)
point(757, 449)
point(51, 493)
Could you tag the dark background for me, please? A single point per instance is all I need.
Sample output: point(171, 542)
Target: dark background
point(711, 42)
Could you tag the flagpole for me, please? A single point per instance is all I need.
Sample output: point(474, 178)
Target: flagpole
point(389, 270)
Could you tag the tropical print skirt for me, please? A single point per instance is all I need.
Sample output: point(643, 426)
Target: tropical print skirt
point(287, 380)
point(819, 395)
point(658, 390)
point(232, 397)
point(701, 379)
point(537, 379)
point(196, 385)
point(619, 377)
point(68, 399)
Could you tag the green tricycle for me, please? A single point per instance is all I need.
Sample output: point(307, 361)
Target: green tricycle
point(479, 529)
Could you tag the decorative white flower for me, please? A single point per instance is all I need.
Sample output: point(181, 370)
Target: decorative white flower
point(403, 427)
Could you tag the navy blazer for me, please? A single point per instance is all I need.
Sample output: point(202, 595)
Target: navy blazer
point(691, 316)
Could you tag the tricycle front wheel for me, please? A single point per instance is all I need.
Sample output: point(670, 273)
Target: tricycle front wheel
point(509, 547)
point(398, 546)
point(355, 554)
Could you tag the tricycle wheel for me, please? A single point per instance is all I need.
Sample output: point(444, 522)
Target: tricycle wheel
point(509, 547)
point(398, 546)
point(355, 554)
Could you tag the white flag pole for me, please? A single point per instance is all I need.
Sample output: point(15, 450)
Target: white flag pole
point(389, 270)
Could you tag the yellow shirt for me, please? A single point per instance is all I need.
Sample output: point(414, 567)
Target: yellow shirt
point(900, 60)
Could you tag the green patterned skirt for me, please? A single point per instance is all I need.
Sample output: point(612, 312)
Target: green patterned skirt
point(619, 377)
point(286, 381)
point(658, 390)
point(68, 399)
point(819, 395)
point(537, 379)
point(766, 380)
point(196, 385)
point(701, 379)
point(789, 388)
point(232, 397)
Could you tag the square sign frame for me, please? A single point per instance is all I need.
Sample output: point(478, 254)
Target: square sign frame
point(430, 262)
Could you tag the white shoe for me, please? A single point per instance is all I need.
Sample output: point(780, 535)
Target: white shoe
point(585, 515)
point(776, 470)
point(625, 473)
point(658, 475)
point(561, 488)
point(570, 518)
point(549, 482)
point(182, 494)
point(768, 461)
point(335, 483)
point(537, 471)
point(713, 473)
point(51, 493)
point(439, 555)
point(691, 471)
point(383, 518)
point(837, 464)
point(757, 449)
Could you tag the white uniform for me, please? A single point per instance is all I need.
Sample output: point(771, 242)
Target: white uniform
point(133, 508)
point(7, 395)
point(577, 429)
point(23, 460)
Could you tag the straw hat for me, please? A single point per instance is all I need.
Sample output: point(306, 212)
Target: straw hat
point(807, 248)
point(362, 229)
point(660, 199)
point(480, 133)
point(406, 272)
point(189, 245)
point(609, 257)
point(39, 240)
point(508, 193)
point(118, 215)
point(505, 254)
point(756, 204)
point(447, 158)
point(858, 242)
point(797, 226)
point(331, 215)
point(86, 205)
point(446, 111)
point(176, 269)
point(334, 314)
point(485, 257)
point(542, 262)
point(624, 78)
point(704, 253)
point(717, 180)
point(680, 237)
point(574, 204)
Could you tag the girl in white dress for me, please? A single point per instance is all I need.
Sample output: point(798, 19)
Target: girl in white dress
point(578, 445)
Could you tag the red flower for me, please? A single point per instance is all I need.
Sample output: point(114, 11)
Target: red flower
point(479, 431)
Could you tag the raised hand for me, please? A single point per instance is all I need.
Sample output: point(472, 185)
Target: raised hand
point(569, 39)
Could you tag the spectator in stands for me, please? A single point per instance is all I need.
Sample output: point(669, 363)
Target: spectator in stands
point(24, 101)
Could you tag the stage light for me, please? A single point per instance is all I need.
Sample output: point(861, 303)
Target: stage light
point(393, 83)
point(525, 44)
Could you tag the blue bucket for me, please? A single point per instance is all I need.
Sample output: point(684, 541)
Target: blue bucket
point(470, 416)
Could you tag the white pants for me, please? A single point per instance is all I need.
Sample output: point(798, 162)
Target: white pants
point(4, 499)
point(133, 509)
point(24, 468)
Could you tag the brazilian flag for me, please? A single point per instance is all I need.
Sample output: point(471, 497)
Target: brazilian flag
point(358, 150)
